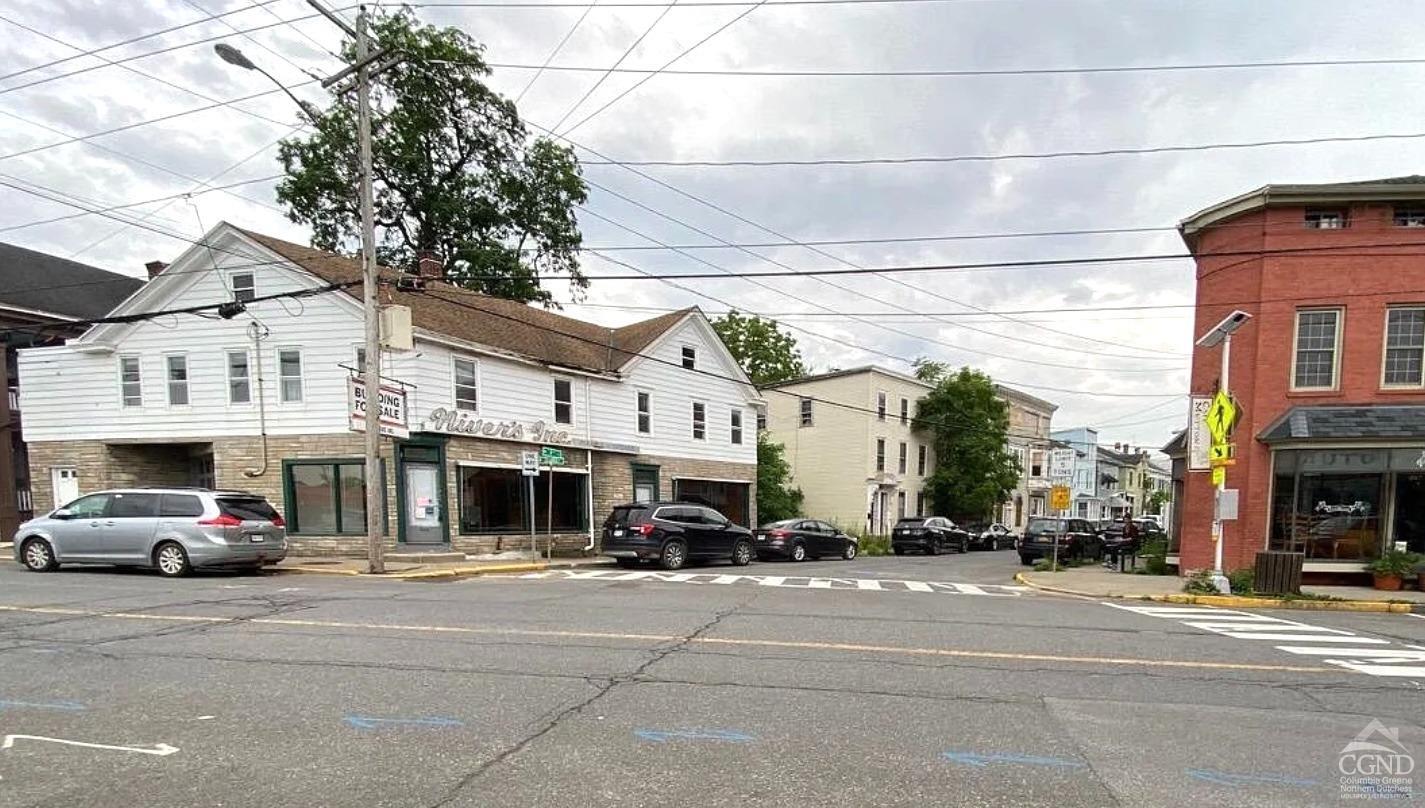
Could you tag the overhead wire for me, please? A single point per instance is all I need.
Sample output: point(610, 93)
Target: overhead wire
point(630, 49)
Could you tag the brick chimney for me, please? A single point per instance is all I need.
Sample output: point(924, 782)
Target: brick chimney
point(155, 267)
point(429, 265)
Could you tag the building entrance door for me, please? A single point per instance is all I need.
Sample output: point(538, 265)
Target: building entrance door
point(423, 504)
point(1410, 511)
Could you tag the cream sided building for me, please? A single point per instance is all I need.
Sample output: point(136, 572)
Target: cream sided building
point(848, 438)
point(262, 402)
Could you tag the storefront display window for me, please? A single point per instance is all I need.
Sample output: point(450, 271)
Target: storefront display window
point(1329, 504)
point(325, 497)
point(496, 501)
point(727, 498)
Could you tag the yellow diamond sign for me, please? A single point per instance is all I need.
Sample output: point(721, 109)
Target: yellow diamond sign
point(1222, 416)
point(1059, 498)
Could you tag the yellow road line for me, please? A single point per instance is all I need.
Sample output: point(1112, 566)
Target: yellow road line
point(718, 641)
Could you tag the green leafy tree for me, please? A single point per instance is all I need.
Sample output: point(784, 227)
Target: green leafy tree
point(968, 424)
point(454, 171)
point(766, 353)
point(776, 499)
point(1156, 501)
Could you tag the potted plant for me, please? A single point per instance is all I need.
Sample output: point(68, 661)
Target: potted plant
point(1391, 568)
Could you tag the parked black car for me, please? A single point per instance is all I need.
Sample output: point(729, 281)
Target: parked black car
point(672, 534)
point(990, 536)
point(929, 535)
point(1076, 538)
point(801, 538)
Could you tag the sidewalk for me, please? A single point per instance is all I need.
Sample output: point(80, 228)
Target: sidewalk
point(1097, 582)
point(423, 570)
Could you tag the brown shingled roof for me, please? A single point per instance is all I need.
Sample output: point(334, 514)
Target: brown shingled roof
point(491, 321)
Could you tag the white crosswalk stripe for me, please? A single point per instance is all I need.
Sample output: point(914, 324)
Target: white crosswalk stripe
point(1342, 648)
point(785, 582)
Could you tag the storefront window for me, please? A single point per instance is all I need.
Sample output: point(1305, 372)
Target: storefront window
point(1410, 512)
point(1327, 503)
point(729, 499)
point(496, 500)
point(325, 497)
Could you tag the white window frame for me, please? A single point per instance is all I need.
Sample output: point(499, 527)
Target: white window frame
point(228, 374)
point(168, 383)
point(921, 459)
point(455, 385)
point(1385, 347)
point(735, 426)
point(1335, 350)
point(639, 413)
point(882, 404)
point(806, 417)
point(905, 410)
point(554, 401)
point(138, 365)
point(880, 455)
point(301, 376)
point(685, 358)
point(251, 288)
point(693, 414)
point(903, 461)
point(1307, 213)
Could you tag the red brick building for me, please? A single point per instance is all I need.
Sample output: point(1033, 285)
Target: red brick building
point(1328, 372)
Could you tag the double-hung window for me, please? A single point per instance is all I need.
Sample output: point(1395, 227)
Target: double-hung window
point(289, 374)
point(244, 286)
point(700, 421)
point(467, 384)
point(920, 460)
point(806, 412)
point(176, 373)
point(131, 381)
point(905, 411)
point(880, 406)
point(900, 465)
point(880, 454)
point(239, 378)
point(736, 420)
point(645, 412)
point(1318, 339)
point(1404, 347)
point(563, 401)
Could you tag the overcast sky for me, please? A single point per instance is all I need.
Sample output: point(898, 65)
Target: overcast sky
point(1131, 362)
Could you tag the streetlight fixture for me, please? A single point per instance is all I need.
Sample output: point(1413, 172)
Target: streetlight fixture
point(371, 372)
point(1221, 334)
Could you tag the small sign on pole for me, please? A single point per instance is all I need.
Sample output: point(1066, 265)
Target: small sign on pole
point(550, 456)
point(1060, 498)
point(529, 464)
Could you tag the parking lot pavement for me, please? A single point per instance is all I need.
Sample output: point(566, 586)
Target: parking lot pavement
point(127, 689)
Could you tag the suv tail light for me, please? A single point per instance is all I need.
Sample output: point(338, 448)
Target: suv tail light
point(278, 521)
point(644, 529)
point(222, 520)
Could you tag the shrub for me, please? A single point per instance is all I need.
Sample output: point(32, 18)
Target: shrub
point(866, 543)
point(1200, 583)
point(1155, 557)
point(1242, 580)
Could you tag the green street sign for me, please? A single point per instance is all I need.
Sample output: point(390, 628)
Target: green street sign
point(550, 456)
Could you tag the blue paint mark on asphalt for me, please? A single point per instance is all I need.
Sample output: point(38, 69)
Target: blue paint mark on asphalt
point(1236, 780)
point(661, 735)
point(976, 759)
point(371, 722)
point(72, 706)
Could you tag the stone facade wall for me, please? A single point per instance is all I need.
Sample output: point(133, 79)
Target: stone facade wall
point(103, 465)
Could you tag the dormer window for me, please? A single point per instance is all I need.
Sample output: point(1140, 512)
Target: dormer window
point(690, 357)
point(1325, 218)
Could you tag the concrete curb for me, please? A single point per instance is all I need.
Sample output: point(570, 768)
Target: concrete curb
point(419, 575)
point(1235, 601)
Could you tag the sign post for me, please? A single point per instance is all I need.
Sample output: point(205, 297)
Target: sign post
point(529, 467)
point(1060, 500)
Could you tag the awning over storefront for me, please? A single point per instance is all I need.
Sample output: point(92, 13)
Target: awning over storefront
point(1338, 423)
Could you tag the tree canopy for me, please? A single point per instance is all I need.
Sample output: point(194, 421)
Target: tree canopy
point(766, 353)
point(968, 424)
point(454, 171)
point(776, 499)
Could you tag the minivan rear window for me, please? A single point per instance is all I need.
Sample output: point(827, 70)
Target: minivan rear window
point(247, 508)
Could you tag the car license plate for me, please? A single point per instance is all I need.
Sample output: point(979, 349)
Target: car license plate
point(618, 533)
point(256, 537)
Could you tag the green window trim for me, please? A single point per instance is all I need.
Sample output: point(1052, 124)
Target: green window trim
point(289, 495)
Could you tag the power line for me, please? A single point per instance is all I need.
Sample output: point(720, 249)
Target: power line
point(556, 50)
point(126, 205)
point(817, 315)
point(138, 124)
point(666, 64)
point(604, 76)
point(147, 54)
point(990, 158)
point(962, 72)
point(140, 38)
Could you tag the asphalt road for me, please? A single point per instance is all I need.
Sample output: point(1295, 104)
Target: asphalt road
point(883, 681)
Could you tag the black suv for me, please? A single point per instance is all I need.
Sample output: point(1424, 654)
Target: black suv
point(673, 533)
point(929, 535)
point(1076, 538)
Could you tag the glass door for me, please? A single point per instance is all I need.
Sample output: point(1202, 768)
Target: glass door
point(424, 521)
point(1410, 511)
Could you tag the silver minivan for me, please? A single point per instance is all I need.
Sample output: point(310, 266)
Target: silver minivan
point(173, 530)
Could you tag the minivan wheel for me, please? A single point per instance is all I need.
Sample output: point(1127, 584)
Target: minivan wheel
point(171, 560)
point(799, 553)
point(675, 555)
point(39, 556)
point(850, 552)
point(742, 554)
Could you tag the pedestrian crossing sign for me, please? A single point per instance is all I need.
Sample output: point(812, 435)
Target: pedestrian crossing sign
point(1222, 416)
point(1222, 454)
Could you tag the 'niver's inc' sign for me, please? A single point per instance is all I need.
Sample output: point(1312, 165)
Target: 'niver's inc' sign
point(459, 423)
